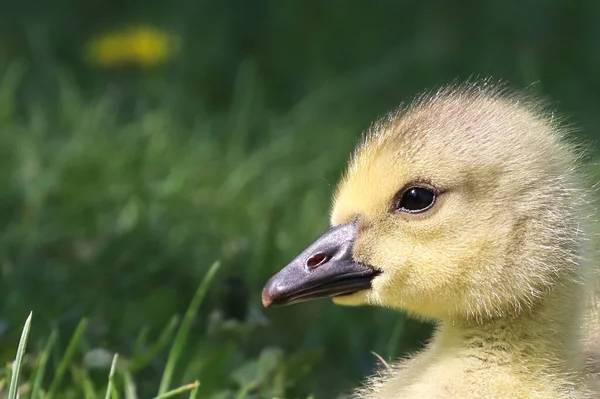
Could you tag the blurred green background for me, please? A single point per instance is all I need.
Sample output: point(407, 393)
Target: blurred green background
point(130, 162)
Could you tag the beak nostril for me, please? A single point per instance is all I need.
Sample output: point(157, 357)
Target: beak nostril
point(317, 260)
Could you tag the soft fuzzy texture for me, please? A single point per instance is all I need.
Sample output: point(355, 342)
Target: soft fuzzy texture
point(500, 261)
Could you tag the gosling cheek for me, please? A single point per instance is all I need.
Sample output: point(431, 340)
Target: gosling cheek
point(356, 299)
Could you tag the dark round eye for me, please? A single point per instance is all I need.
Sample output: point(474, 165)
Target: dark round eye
point(415, 200)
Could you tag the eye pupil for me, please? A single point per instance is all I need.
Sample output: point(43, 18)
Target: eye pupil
point(416, 199)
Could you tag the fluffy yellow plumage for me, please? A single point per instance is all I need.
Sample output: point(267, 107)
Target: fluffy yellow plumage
point(498, 257)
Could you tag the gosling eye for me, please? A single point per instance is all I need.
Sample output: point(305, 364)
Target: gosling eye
point(416, 200)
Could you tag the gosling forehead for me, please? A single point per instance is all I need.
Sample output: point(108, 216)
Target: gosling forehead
point(459, 137)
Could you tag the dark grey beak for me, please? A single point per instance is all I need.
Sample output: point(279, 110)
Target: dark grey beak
point(325, 269)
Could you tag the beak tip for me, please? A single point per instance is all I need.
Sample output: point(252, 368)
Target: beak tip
point(269, 293)
point(267, 301)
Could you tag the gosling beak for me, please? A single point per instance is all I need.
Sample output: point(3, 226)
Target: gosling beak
point(325, 269)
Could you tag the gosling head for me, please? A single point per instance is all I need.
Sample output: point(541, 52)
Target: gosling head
point(464, 205)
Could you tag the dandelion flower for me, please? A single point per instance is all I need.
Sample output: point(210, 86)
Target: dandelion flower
point(143, 46)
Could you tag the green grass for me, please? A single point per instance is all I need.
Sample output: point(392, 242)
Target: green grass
point(113, 217)
point(113, 391)
point(16, 366)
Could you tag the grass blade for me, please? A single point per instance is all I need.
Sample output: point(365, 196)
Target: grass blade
point(130, 391)
point(184, 329)
point(41, 369)
point(141, 340)
point(111, 376)
point(66, 359)
point(243, 392)
point(392, 346)
point(14, 379)
point(189, 387)
point(82, 379)
point(194, 392)
point(151, 353)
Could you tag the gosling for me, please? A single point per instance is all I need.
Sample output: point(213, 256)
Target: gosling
point(469, 208)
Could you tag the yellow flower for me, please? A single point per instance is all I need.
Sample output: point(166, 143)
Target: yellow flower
point(144, 46)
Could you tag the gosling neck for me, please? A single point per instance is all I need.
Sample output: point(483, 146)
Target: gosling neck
point(545, 336)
